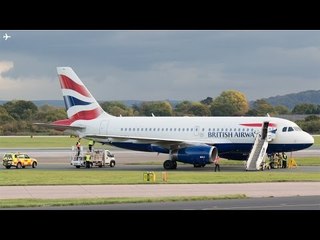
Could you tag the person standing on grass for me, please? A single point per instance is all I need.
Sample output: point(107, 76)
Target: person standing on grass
point(217, 164)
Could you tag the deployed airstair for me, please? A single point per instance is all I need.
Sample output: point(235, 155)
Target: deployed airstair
point(258, 152)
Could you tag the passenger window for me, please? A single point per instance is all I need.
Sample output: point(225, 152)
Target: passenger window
point(284, 129)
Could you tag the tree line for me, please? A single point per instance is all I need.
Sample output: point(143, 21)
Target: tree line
point(17, 116)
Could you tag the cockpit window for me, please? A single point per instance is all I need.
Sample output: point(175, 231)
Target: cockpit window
point(284, 129)
point(297, 128)
point(290, 129)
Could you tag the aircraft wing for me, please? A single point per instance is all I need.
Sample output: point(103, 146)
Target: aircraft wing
point(167, 143)
point(59, 127)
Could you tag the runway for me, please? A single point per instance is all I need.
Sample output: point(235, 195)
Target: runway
point(59, 159)
point(275, 203)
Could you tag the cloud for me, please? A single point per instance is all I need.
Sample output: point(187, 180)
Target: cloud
point(157, 65)
point(5, 66)
point(24, 88)
point(5, 82)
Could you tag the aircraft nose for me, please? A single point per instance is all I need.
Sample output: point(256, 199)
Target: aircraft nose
point(308, 139)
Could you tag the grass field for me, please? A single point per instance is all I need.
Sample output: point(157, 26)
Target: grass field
point(55, 177)
point(316, 140)
point(56, 141)
point(39, 142)
point(15, 203)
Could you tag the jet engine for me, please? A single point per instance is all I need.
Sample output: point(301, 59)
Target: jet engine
point(199, 156)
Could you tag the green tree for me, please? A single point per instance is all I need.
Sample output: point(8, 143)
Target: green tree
point(156, 108)
point(183, 108)
point(261, 107)
point(207, 101)
point(199, 109)
point(230, 103)
point(20, 109)
point(280, 109)
point(117, 108)
point(48, 113)
point(312, 118)
point(5, 116)
point(305, 108)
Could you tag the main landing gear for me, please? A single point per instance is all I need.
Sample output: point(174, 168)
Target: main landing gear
point(169, 164)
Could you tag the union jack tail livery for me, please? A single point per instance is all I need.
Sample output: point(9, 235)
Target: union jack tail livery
point(79, 102)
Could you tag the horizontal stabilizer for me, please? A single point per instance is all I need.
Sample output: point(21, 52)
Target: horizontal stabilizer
point(59, 127)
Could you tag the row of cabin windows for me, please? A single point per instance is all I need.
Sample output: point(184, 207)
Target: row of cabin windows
point(185, 129)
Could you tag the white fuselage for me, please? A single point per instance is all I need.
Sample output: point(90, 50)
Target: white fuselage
point(218, 131)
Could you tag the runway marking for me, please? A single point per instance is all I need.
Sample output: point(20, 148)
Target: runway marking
point(258, 207)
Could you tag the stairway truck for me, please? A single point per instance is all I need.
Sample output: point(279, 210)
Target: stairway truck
point(96, 158)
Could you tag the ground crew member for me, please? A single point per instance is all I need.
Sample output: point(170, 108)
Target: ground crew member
point(78, 144)
point(91, 143)
point(87, 158)
point(284, 160)
point(217, 164)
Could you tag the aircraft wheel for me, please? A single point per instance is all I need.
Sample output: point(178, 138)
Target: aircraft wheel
point(167, 164)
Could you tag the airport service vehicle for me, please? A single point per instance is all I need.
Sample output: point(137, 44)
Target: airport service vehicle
point(98, 158)
point(18, 160)
point(192, 140)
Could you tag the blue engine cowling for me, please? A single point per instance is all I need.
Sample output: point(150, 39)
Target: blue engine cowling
point(195, 154)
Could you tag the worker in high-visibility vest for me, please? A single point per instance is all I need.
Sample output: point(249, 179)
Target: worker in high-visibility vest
point(90, 144)
point(87, 158)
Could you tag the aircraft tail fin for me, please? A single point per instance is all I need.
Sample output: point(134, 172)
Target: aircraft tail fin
point(79, 102)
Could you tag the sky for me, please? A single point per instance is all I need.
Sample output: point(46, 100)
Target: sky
point(154, 65)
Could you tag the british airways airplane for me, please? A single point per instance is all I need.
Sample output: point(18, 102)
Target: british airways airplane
point(193, 140)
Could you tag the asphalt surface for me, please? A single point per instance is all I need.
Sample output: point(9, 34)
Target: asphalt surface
point(59, 159)
point(277, 203)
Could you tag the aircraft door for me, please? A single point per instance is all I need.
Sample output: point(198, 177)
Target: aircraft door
point(104, 127)
point(264, 131)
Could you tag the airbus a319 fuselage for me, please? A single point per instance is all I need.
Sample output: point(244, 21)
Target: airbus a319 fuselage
point(194, 140)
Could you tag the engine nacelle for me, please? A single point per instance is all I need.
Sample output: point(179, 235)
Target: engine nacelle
point(195, 154)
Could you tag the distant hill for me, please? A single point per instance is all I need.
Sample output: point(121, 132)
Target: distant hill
point(288, 100)
point(292, 99)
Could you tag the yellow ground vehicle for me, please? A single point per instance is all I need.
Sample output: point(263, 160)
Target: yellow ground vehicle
point(18, 160)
